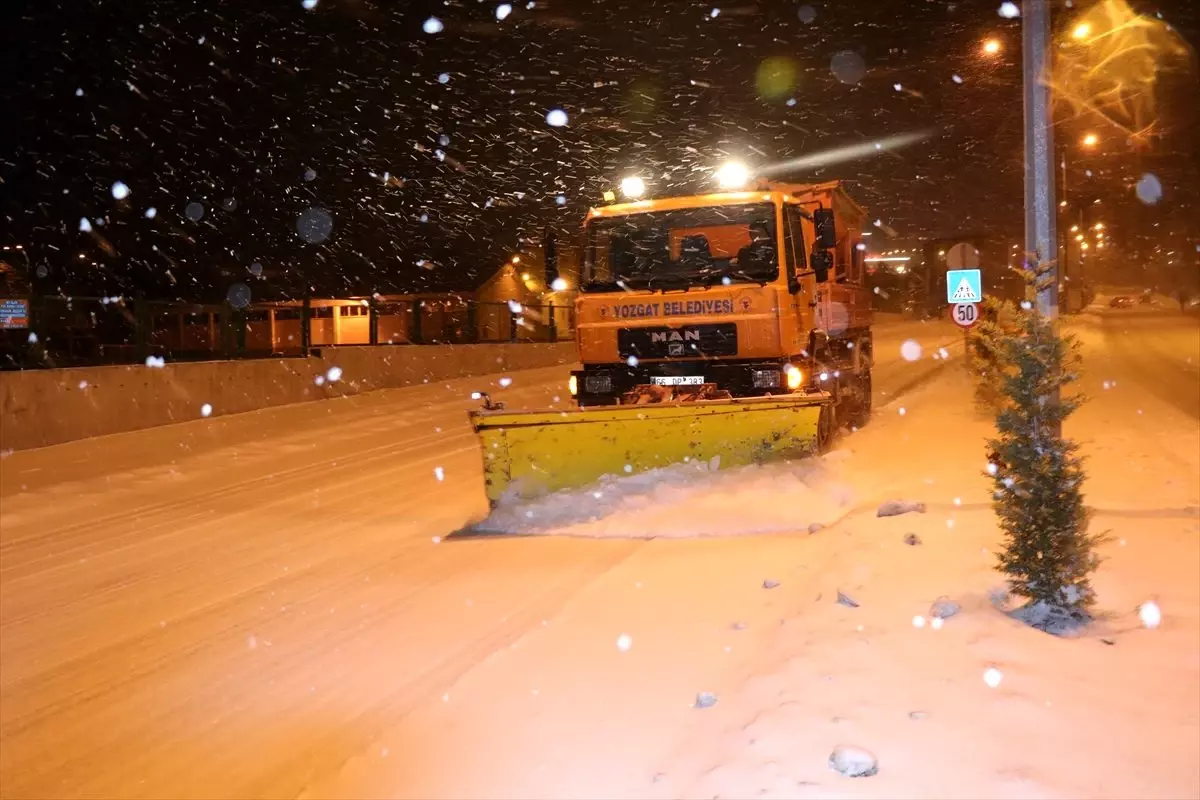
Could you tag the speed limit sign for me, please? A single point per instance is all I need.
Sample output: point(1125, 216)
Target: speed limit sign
point(965, 314)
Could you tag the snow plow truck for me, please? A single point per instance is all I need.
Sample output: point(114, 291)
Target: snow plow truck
point(726, 329)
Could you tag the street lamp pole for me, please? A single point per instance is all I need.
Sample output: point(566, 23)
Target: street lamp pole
point(1041, 243)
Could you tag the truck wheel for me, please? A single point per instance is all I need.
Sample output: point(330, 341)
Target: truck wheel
point(826, 427)
point(862, 407)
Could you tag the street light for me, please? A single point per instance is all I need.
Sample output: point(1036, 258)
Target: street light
point(991, 47)
point(1081, 31)
point(1090, 140)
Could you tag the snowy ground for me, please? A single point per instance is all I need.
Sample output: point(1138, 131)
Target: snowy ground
point(255, 606)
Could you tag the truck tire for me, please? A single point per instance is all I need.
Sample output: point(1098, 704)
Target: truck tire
point(861, 413)
point(826, 428)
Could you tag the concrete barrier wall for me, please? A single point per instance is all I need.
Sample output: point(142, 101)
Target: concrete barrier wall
point(45, 407)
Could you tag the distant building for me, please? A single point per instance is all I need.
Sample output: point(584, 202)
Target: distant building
point(516, 293)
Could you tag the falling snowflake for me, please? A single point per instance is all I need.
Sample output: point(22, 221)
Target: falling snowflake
point(505, 383)
point(309, 4)
point(556, 118)
point(205, 410)
point(992, 677)
point(1150, 614)
point(911, 350)
point(333, 374)
point(85, 225)
point(918, 621)
point(439, 473)
point(444, 77)
point(1009, 10)
point(120, 191)
point(151, 212)
point(632, 361)
point(432, 26)
point(1149, 189)
point(502, 11)
point(624, 642)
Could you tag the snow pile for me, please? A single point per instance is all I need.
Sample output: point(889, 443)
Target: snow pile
point(689, 500)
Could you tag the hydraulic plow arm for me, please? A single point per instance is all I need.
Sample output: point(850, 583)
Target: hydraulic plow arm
point(527, 454)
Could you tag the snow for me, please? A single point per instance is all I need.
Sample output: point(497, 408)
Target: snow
point(267, 604)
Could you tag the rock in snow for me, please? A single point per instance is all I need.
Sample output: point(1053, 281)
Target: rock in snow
point(705, 700)
point(846, 600)
point(816, 526)
point(912, 539)
point(943, 608)
point(894, 508)
point(853, 762)
point(770, 584)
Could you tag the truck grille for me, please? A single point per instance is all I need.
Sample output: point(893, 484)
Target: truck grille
point(689, 341)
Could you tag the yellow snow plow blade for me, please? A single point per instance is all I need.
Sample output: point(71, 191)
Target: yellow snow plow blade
point(527, 454)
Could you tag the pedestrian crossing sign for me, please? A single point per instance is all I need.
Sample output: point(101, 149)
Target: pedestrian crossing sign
point(964, 286)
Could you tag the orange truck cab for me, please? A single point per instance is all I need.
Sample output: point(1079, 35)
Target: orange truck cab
point(731, 294)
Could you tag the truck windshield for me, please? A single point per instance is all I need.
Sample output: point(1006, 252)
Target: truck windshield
point(682, 248)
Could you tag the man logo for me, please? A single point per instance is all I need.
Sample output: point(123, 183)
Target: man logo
point(674, 336)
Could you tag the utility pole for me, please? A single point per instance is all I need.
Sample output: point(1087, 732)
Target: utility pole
point(1041, 243)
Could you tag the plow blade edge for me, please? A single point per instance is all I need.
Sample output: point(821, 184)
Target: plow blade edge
point(527, 454)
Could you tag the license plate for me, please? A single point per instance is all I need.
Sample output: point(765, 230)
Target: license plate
point(678, 380)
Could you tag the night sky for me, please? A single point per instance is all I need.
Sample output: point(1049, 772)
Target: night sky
point(250, 127)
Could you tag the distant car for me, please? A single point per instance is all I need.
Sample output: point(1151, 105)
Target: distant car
point(1121, 302)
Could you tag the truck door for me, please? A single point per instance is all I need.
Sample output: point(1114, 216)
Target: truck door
point(795, 334)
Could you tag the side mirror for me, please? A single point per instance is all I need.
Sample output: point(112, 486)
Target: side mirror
point(826, 231)
point(550, 256)
point(822, 262)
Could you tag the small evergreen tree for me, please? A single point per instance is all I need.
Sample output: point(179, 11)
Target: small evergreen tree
point(997, 320)
point(1037, 473)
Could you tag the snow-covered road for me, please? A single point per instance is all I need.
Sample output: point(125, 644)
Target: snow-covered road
point(257, 606)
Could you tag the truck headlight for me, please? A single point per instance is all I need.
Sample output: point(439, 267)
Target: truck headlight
point(573, 385)
point(766, 378)
point(794, 376)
